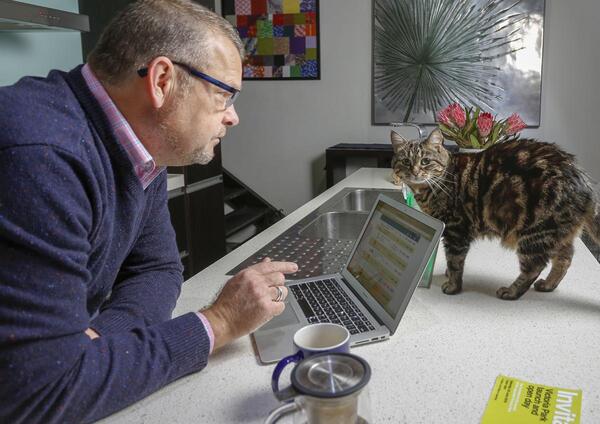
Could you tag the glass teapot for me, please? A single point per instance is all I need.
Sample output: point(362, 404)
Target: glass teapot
point(329, 388)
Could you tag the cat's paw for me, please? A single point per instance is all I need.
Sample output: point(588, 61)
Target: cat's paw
point(509, 293)
point(396, 179)
point(542, 286)
point(451, 288)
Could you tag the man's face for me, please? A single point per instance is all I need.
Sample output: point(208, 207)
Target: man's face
point(193, 122)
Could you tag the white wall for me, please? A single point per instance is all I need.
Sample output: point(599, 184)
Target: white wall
point(36, 52)
point(279, 147)
point(571, 80)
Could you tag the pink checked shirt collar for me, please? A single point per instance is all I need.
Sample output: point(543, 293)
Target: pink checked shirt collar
point(144, 165)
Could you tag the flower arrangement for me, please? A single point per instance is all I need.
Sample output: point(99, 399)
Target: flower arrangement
point(475, 129)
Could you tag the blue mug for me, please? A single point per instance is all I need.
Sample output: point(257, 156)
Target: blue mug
point(310, 340)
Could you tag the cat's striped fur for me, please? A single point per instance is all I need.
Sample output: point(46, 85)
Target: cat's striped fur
point(529, 194)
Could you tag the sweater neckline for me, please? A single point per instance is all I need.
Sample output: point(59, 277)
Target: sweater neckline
point(102, 125)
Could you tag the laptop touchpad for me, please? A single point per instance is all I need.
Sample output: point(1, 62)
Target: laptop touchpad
point(288, 317)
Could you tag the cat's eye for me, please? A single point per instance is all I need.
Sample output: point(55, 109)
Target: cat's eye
point(406, 162)
point(425, 161)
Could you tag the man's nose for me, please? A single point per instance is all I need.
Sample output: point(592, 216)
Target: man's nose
point(231, 118)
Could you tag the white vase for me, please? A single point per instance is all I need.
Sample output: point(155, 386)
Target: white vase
point(469, 150)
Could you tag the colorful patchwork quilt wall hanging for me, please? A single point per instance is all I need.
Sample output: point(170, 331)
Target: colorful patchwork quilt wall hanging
point(281, 37)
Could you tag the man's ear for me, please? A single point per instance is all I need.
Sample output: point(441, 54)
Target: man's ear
point(160, 80)
point(435, 139)
point(398, 142)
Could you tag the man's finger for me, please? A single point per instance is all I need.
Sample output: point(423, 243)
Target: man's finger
point(277, 308)
point(275, 293)
point(275, 266)
point(275, 279)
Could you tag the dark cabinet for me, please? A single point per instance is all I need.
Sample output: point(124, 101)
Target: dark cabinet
point(197, 173)
point(100, 13)
point(336, 157)
point(197, 215)
point(199, 224)
point(207, 226)
point(179, 221)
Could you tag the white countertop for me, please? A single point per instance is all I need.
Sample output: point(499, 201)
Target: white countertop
point(442, 362)
point(175, 181)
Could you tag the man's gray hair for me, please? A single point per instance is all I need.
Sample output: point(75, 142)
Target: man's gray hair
point(178, 29)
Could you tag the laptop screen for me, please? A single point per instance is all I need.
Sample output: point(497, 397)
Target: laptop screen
point(389, 254)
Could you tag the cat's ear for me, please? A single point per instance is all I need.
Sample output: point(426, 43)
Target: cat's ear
point(398, 142)
point(435, 139)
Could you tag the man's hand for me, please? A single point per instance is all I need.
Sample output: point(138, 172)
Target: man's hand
point(247, 300)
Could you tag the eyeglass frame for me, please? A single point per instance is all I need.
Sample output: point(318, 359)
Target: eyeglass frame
point(143, 72)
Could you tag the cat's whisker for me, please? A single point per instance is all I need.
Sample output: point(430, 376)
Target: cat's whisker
point(430, 186)
point(439, 188)
point(445, 180)
point(444, 183)
point(443, 188)
point(433, 179)
point(446, 172)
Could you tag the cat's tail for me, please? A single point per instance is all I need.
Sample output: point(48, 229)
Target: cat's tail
point(592, 224)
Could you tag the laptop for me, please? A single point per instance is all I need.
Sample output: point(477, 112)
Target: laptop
point(371, 293)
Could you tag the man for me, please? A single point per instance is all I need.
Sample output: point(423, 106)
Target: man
point(89, 269)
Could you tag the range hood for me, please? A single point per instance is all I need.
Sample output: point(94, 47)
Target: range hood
point(15, 15)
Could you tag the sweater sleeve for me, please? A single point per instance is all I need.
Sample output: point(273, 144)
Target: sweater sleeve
point(50, 370)
point(150, 279)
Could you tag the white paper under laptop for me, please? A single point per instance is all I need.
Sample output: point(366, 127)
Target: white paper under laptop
point(375, 285)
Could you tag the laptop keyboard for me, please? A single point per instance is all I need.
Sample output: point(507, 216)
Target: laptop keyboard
point(325, 301)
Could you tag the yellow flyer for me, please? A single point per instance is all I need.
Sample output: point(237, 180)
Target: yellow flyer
point(521, 402)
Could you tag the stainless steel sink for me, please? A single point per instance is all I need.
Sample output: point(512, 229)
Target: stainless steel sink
point(321, 242)
point(363, 200)
point(336, 226)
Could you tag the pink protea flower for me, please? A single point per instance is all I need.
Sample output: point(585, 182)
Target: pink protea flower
point(443, 116)
point(457, 114)
point(485, 121)
point(515, 124)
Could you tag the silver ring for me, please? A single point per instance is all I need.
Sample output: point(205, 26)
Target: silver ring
point(279, 296)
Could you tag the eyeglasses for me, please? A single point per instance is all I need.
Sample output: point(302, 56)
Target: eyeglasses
point(143, 72)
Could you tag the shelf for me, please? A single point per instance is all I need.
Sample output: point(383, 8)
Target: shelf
point(231, 246)
point(233, 192)
point(241, 218)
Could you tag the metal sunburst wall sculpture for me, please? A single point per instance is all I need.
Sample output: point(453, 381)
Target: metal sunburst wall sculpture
point(430, 53)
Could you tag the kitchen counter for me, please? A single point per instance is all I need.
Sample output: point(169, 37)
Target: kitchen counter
point(442, 362)
point(175, 181)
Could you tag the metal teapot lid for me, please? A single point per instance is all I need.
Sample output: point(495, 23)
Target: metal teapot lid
point(331, 375)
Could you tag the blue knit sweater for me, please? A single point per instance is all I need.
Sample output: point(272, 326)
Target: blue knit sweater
point(82, 244)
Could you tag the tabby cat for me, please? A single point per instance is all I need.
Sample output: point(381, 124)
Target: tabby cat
point(528, 193)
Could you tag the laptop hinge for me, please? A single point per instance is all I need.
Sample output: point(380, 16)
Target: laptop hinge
point(362, 303)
